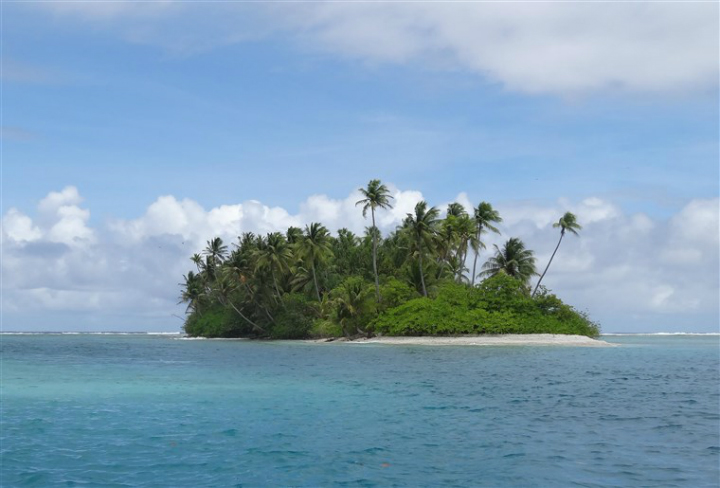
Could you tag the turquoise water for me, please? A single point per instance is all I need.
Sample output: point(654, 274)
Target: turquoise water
point(91, 410)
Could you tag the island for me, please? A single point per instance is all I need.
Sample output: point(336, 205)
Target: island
point(422, 279)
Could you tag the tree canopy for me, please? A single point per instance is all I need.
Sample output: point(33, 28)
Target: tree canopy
point(415, 280)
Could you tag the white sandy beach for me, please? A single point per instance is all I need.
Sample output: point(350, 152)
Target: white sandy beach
point(486, 340)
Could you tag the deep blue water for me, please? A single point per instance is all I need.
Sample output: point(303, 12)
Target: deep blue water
point(99, 410)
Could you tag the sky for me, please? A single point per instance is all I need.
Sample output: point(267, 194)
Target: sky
point(133, 132)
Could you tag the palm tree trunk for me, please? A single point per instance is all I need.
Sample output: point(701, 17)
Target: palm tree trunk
point(463, 257)
point(277, 288)
point(422, 276)
point(465, 254)
point(249, 290)
point(268, 314)
point(472, 281)
point(442, 261)
point(278, 299)
point(255, 326)
point(477, 251)
point(548, 265)
point(317, 288)
point(228, 302)
point(377, 280)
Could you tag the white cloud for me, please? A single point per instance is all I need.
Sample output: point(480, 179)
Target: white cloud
point(559, 48)
point(629, 270)
point(69, 196)
point(60, 220)
point(625, 266)
point(19, 227)
point(697, 222)
point(693, 234)
point(403, 203)
point(71, 228)
point(541, 47)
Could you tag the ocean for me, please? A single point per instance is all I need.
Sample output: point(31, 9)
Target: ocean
point(157, 410)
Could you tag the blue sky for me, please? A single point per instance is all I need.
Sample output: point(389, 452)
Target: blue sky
point(221, 104)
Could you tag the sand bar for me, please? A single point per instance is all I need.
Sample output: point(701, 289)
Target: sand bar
point(485, 340)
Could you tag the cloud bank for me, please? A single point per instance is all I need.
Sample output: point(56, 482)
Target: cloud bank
point(632, 272)
point(557, 48)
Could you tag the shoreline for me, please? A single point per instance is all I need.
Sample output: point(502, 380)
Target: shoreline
point(477, 340)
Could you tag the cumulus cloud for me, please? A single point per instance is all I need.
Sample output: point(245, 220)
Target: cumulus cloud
point(18, 227)
point(632, 271)
point(60, 219)
point(187, 220)
point(532, 47)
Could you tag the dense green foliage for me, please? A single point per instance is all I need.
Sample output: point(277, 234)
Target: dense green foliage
point(500, 305)
point(414, 281)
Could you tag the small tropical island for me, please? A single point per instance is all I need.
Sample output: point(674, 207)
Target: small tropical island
point(422, 279)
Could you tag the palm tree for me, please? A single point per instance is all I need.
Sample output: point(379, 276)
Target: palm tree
point(193, 292)
point(294, 234)
point(421, 227)
point(247, 242)
point(274, 254)
point(376, 195)
point(513, 259)
point(350, 301)
point(216, 251)
point(223, 288)
point(465, 229)
point(485, 216)
point(240, 267)
point(315, 249)
point(567, 222)
point(456, 209)
point(198, 261)
point(346, 248)
point(457, 268)
point(446, 240)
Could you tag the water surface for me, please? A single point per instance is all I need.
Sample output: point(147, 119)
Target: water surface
point(157, 411)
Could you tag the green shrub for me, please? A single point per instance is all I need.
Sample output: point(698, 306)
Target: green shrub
point(500, 305)
point(322, 328)
point(217, 321)
point(395, 292)
point(295, 318)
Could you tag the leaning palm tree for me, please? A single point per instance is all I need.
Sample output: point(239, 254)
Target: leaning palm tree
point(421, 226)
point(315, 249)
point(567, 222)
point(223, 288)
point(376, 195)
point(513, 259)
point(485, 217)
